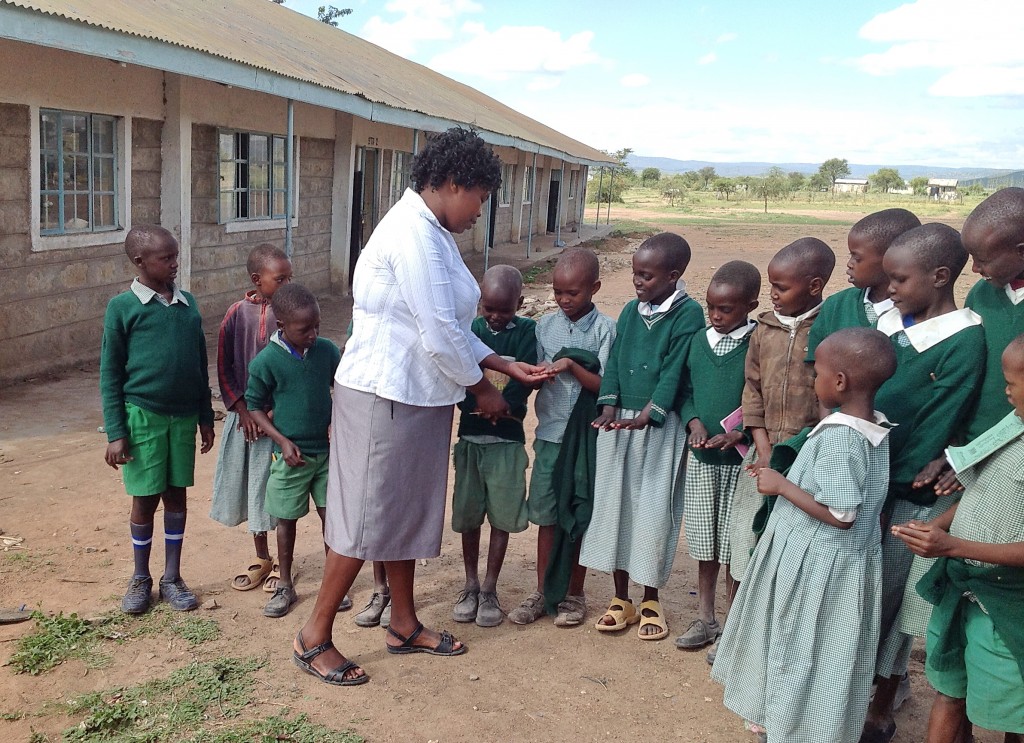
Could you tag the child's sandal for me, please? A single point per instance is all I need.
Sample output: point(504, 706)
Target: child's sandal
point(253, 576)
point(624, 614)
point(270, 584)
point(657, 619)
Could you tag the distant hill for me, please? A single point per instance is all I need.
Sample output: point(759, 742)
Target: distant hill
point(1016, 178)
point(731, 170)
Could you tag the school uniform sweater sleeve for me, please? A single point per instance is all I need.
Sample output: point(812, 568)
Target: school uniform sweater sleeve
point(667, 393)
point(609, 392)
point(114, 373)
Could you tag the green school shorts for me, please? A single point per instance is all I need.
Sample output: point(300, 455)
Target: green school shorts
point(541, 506)
point(489, 479)
point(290, 488)
point(163, 451)
point(990, 678)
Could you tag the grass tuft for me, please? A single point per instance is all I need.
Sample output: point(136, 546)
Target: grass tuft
point(54, 640)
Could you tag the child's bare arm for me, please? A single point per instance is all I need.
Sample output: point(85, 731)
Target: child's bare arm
point(249, 428)
point(763, 447)
point(589, 380)
point(932, 539)
point(770, 482)
point(291, 453)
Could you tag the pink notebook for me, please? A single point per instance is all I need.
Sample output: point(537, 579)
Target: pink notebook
point(730, 423)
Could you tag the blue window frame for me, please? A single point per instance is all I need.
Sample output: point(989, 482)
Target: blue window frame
point(78, 172)
point(252, 176)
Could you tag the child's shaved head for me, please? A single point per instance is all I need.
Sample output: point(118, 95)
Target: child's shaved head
point(933, 246)
point(672, 250)
point(262, 255)
point(865, 355)
point(881, 228)
point(1013, 356)
point(742, 275)
point(292, 298)
point(1001, 214)
point(505, 282)
point(579, 262)
point(144, 237)
point(810, 255)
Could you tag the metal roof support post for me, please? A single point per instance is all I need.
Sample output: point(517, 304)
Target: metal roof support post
point(487, 232)
point(533, 195)
point(289, 178)
point(611, 186)
point(415, 141)
point(600, 187)
point(558, 213)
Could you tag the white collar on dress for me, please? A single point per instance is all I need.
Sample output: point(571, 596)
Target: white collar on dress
point(792, 322)
point(145, 294)
point(1015, 295)
point(646, 309)
point(714, 337)
point(875, 432)
point(924, 335)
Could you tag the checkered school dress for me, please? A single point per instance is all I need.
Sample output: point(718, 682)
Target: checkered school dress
point(708, 493)
point(798, 651)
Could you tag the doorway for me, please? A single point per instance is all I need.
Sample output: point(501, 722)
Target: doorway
point(365, 184)
point(553, 205)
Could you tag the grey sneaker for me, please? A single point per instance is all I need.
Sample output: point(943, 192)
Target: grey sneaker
point(281, 602)
point(489, 613)
point(712, 653)
point(529, 611)
point(371, 613)
point(139, 594)
point(466, 606)
point(178, 595)
point(698, 635)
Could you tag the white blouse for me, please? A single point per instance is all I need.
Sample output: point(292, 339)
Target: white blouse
point(414, 302)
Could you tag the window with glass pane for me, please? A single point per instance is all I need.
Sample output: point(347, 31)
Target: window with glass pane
point(77, 172)
point(528, 185)
point(252, 176)
point(400, 166)
point(507, 177)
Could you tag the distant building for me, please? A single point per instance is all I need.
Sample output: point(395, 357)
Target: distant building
point(942, 188)
point(851, 185)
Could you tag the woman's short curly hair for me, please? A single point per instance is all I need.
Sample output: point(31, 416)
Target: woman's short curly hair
point(459, 154)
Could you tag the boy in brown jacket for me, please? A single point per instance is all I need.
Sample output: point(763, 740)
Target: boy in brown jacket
point(778, 396)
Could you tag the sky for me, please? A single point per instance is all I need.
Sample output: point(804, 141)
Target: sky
point(930, 82)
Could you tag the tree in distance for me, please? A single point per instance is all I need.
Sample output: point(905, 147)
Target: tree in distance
point(650, 176)
point(797, 180)
point(773, 186)
point(707, 175)
point(692, 179)
point(886, 180)
point(833, 170)
point(919, 185)
point(724, 186)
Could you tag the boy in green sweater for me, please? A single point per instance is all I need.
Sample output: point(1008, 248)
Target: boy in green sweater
point(292, 378)
point(976, 633)
point(490, 458)
point(715, 367)
point(861, 304)
point(937, 349)
point(155, 390)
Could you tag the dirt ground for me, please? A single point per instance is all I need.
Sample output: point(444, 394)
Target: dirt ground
point(534, 683)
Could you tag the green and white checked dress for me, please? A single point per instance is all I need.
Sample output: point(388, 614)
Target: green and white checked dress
point(798, 652)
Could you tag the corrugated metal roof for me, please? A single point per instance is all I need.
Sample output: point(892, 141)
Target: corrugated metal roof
point(851, 181)
point(267, 36)
point(943, 182)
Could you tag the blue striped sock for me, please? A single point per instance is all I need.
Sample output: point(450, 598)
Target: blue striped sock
point(142, 545)
point(174, 535)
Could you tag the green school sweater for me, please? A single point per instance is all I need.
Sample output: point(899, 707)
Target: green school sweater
point(715, 390)
point(153, 356)
point(519, 342)
point(647, 359)
point(1003, 321)
point(297, 390)
point(929, 398)
point(842, 310)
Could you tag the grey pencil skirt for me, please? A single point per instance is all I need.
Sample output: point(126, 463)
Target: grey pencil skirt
point(388, 481)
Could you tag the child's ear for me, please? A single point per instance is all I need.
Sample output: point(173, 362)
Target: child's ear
point(675, 276)
point(520, 305)
point(254, 278)
point(816, 286)
point(596, 288)
point(752, 306)
point(280, 325)
point(941, 277)
point(841, 382)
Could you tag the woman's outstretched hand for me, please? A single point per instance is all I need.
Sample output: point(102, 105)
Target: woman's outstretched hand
point(529, 375)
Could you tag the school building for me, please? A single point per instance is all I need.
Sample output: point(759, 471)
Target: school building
point(230, 123)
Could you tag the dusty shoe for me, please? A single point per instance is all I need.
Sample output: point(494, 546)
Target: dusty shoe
point(902, 693)
point(178, 595)
point(712, 653)
point(572, 610)
point(281, 602)
point(139, 594)
point(385, 617)
point(529, 611)
point(371, 613)
point(698, 635)
point(346, 603)
point(489, 613)
point(466, 606)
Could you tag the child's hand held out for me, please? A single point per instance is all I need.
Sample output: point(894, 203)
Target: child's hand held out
point(606, 420)
point(926, 539)
point(724, 440)
point(698, 434)
point(769, 482)
point(117, 453)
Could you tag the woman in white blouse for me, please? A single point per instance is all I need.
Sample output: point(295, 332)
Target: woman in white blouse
point(411, 357)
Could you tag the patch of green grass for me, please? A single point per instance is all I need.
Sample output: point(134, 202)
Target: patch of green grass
point(632, 228)
point(531, 274)
point(185, 705)
point(58, 638)
point(11, 716)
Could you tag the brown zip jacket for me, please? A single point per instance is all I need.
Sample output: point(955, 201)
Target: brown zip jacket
point(779, 391)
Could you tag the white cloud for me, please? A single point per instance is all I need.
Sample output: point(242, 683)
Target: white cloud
point(634, 80)
point(515, 50)
point(708, 58)
point(420, 20)
point(975, 47)
point(726, 38)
